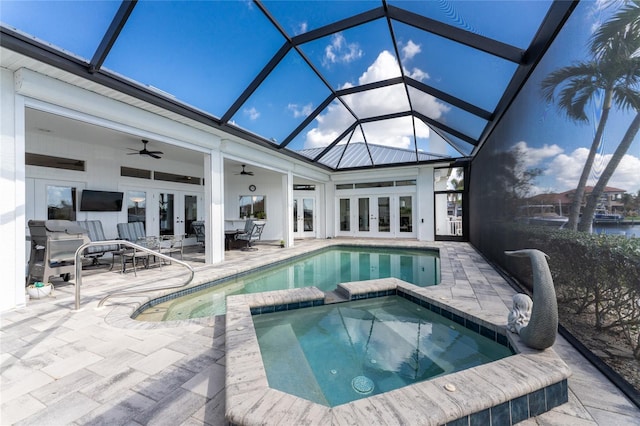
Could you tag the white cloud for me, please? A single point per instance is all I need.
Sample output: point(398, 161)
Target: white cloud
point(416, 74)
point(534, 157)
point(300, 111)
point(302, 28)
point(340, 51)
point(410, 50)
point(398, 132)
point(384, 67)
point(566, 170)
point(252, 113)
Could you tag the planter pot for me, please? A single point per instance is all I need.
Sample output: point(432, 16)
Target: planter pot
point(39, 292)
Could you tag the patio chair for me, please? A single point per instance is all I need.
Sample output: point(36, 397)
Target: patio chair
point(134, 232)
point(96, 233)
point(254, 235)
point(198, 229)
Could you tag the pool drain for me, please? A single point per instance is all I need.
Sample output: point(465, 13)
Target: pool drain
point(362, 384)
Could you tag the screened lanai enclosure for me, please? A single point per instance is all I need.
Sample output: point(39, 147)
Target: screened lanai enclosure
point(498, 106)
point(338, 83)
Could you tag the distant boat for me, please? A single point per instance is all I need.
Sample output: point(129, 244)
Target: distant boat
point(542, 215)
point(601, 216)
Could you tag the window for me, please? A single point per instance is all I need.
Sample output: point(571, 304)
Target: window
point(136, 206)
point(345, 214)
point(253, 206)
point(304, 187)
point(169, 177)
point(406, 214)
point(137, 173)
point(53, 162)
point(61, 202)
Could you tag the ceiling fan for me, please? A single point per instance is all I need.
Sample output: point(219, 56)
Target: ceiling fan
point(244, 172)
point(144, 151)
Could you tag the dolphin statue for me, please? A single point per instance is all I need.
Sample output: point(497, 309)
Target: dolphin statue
point(540, 332)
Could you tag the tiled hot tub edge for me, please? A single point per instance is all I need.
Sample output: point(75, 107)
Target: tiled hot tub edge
point(502, 392)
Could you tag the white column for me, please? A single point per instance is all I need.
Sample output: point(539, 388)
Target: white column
point(12, 203)
point(425, 214)
point(287, 225)
point(214, 207)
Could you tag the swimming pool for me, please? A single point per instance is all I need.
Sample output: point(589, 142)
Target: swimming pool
point(334, 354)
point(324, 269)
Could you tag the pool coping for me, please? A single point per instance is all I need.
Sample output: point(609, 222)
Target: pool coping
point(511, 389)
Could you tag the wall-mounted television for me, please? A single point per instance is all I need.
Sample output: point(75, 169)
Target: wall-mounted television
point(100, 201)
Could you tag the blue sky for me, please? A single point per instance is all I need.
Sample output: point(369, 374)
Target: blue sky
point(206, 52)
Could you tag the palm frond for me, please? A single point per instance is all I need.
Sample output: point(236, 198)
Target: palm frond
point(573, 98)
point(619, 36)
point(627, 98)
point(563, 76)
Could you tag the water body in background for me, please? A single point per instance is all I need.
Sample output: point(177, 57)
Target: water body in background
point(630, 231)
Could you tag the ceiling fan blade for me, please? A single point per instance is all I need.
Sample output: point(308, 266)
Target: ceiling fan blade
point(155, 152)
point(152, 154)
point(134, 153)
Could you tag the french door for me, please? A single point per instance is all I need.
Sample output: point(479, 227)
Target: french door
point(380, 216)
point(304, 217)
point(374, 215)
point(177, 210)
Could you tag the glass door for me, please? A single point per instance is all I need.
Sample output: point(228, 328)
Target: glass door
point(177, 211)
point(383, 215)
point(405, 215)
point(166, 214)
point(449, 185)
point(374, 216)
point(303, 217)
point(364, 220)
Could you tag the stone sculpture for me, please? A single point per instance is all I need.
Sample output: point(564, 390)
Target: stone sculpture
point(540, 332)
point(520, 314)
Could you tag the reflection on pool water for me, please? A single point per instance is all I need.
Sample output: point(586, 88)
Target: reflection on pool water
point(334, 354)
point(324, 269)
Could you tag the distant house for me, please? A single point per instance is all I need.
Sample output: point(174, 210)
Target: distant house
point(610, 200)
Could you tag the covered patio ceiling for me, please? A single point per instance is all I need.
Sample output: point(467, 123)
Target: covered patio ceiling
point(340, 84)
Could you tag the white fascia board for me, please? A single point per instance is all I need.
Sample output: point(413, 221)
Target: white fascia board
point(81, 104)
point(262, 157)
point(376, 175)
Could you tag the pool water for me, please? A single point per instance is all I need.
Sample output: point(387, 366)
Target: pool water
point(324, 269)
point(334, 354)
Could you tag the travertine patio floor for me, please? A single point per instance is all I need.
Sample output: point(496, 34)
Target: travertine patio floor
point(98, 366)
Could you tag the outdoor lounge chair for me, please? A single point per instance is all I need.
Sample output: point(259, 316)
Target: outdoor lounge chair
point(96, 233)
point(254, 235)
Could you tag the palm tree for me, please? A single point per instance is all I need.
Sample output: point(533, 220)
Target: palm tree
point(577, 84)
point(618, 42)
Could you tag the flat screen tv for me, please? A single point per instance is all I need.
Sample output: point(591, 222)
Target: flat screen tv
point(100, 201)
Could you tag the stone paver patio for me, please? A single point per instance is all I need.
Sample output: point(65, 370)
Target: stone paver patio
point(98, 366)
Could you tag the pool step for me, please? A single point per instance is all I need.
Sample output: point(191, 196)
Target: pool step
point(289, 370)
point(335, 296)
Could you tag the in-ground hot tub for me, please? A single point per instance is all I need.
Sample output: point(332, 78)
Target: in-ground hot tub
point(337, 353)
point(505, 391)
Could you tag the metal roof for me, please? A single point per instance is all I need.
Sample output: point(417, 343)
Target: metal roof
point(338, 84)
